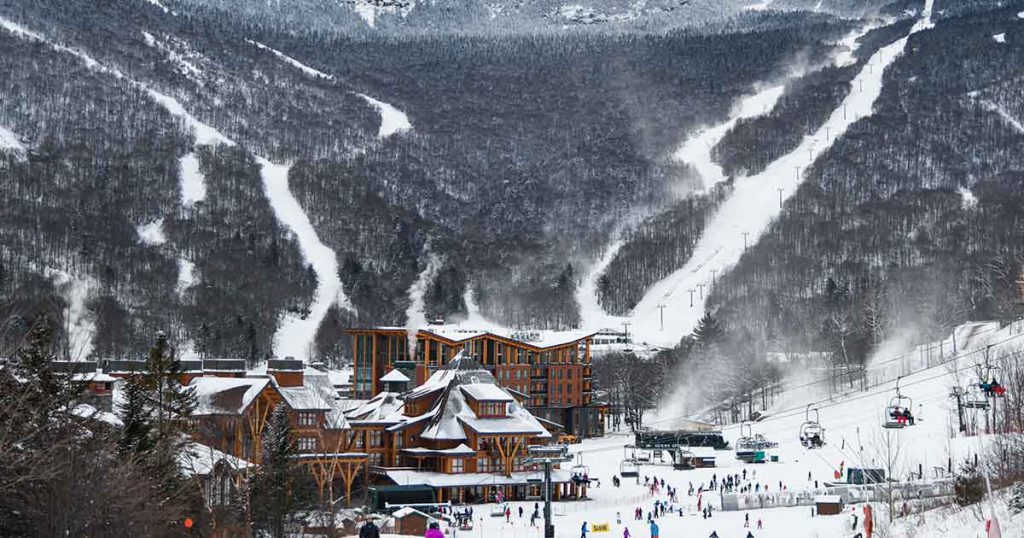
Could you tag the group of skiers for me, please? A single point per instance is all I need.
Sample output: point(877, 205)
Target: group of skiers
point(812, 441)
point(902, 415)
point(992, 388)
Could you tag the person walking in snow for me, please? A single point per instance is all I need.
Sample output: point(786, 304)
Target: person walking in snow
point(520, 512)
point(750, 534)
point(508, 514)
point(583, 530)
point(434, 531)
point(654, 530)
point(759, 527)
point(746, 520)
point(713, 535)
point(625, 532)
point(533, 519)
point(618, 518)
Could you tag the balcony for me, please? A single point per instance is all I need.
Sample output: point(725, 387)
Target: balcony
point(587, 371)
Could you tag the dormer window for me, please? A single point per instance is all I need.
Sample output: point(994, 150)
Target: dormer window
point(492, 409)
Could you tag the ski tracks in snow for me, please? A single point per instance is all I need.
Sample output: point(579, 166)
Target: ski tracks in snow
point(295, 335)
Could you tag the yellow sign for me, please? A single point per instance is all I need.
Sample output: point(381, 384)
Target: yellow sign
point(600, 527)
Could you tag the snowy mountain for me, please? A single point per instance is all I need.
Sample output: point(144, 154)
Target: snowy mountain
point(253, 177)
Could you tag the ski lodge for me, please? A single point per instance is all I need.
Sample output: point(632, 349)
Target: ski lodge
point(549, 371)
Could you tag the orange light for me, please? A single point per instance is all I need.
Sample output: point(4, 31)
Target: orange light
point(189, 523)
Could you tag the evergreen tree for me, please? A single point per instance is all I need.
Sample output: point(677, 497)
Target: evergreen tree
point(136, 437)
point(278, 489)
point(708, 331)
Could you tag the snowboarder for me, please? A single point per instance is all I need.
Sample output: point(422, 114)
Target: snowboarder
point(434, 531)
point(369, 530)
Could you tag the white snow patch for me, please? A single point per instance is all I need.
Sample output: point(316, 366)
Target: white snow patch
point(392, 120)
point(152, 233)
point(193, 184)
point(750, 209)
point(474, 317)
point(367, 12)
point(23, 32)
point(180, 60)
point(1000, 38)
point(296, 334)
point(760, 6)
point(696, 151)
point(205, 134)
point(148, 37)
point(316, 73)
point(1020, 15)
point(415, 314)
point(186, 275)
point(11, 142)
point(1010, 120)
point(817, 7)
point(967, 198)
point(159, 5)
point(592, 314)
point(79, 322)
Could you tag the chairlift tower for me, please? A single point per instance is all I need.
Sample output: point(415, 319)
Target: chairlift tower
point(548, 455)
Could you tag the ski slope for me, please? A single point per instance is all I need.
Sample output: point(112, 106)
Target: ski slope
point(854, 438)
point(392, 120)
point(295, 334)
point(752, 207)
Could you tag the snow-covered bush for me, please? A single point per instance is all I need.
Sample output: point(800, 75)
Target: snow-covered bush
point(1016, 501)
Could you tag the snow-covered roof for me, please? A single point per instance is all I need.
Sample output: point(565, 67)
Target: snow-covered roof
point(198, 459)
point(89, 411)
point(383, 408)
point(408, 511)
point(340, 378)
point(486, 392)
point(304, 398)
point(535, 338)
point(452, 413)
point(828, 499)
point(94, 377)
point(461, 450)
point(437, 480)
point(395, 376)
point(226, 395)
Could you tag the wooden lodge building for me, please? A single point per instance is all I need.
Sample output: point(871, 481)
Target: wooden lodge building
point(549, 371)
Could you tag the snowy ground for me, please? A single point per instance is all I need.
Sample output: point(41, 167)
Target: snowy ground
point(854, 438)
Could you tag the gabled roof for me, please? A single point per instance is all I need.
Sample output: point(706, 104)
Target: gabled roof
point(226, 395)
point(198, 459)
point(384, 408)
point(303, 398)
point(486, 392)
point(395, 376)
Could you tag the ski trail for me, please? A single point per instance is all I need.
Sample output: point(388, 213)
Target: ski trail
point(696, 151)
point(186, 275)
point(392, 120)
point(295, 335)
point(79, 324)
point(592, 314)
point(1010, 120)
point(752, 207)
point(152, 233)
point(415, 314)
point(193, 184)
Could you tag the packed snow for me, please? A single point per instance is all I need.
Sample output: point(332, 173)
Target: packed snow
point(159, 5)
point(181, 61)
point(1009, 119)
point(967, 198)
point(592, 314)
point(296, 334)
point(315, 73)
point(392, 120)
point(11, 142)
point(1000, 38)
point(186, 275)
point(152, 233)
point(696, 151)
point(79, 322)
point(751, 208)
point(193, 184)
point(760, 6)
point(854, 438)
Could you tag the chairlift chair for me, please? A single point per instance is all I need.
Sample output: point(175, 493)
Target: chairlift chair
point(812, 435)
point(629, 469)
point(989, 384)
point(898, 413)
point(975, 398)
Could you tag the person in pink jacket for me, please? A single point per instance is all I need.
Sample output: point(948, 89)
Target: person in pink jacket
point(434, 531)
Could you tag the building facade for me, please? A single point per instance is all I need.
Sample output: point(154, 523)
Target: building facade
point(548, 371)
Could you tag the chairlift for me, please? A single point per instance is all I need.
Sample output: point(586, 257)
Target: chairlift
point(898, 414)
point(974, 397)
point(580, 473)
point(812, 435)
point(989, 383)
point(629, 469)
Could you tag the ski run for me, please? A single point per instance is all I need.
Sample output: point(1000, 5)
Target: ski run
point(296, 334)
point(392, 120)
point(671, 308)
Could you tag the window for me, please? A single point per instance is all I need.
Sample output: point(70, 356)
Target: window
point(307, 419)
point(458, 465)
point(492, 409)
point(376, 439)
point(307, 444)
point(483, 465)
point(360, 439)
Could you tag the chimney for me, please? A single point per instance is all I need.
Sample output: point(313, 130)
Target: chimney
point(288, 372)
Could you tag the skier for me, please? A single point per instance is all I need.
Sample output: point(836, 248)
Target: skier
point(434, 531)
